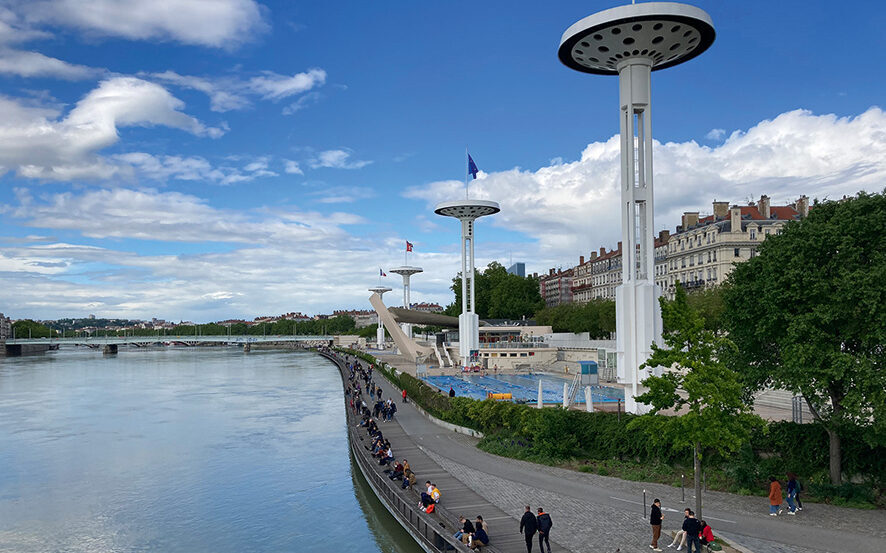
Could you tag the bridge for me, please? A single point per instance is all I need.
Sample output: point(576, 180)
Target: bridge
point(111, 343)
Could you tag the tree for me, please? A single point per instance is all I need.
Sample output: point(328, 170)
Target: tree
point(711, 415)
point(808, 314)
point(709, 304)
point(26, 328)
point(597, 318)
point(499, 294)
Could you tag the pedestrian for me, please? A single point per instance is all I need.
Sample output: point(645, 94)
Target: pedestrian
point(680, 536)
point(691, 527)
point(404, 396)
point(528, 526)
point(451, 392)
point(794, 494)
point(655, 517)
point(774, 497)
point(544, 529)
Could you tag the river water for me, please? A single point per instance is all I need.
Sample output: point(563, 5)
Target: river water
point(181, 451)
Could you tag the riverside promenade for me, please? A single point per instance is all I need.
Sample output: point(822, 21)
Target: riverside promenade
point(594, 513)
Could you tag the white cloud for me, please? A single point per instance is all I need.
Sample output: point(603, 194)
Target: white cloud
point(572, 208)
point(215, 23)
point(273, 86)
point(715, 134)
point(291, 167)
point(336, 159)
point(343, 194)
point(35, 64)
point(36, 142)
point(228, 93)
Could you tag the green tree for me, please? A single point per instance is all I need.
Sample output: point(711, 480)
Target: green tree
point(597, 318)
point(711, 415)
point(808, 314)
point(709, 304)
point(499, 295)
point(26, 328)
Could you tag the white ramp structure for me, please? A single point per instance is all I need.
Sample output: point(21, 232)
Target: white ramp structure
point(406, 271)
point(467, 211)
point(632, 41)
point(380, 331)
point(406, 345)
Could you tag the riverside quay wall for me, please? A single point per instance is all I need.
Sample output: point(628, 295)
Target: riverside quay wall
point(433, 532)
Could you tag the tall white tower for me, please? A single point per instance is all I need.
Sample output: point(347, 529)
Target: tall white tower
point(631, 41)
point(406, 271)
point(380, 331)
point(467, 211)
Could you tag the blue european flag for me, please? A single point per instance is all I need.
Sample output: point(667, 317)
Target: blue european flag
point(472, 167)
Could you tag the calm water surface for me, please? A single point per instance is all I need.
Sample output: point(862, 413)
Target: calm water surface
point(181, 451)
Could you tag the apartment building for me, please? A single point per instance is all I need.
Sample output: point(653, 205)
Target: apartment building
point(5, 327)
point(556, 287)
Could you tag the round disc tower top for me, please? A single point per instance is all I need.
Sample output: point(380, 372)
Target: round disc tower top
point(380, 289)
point(668, 33)
point(406, 270)
point(467, 209)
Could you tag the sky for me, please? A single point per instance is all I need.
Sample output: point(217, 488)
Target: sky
point(204, 160)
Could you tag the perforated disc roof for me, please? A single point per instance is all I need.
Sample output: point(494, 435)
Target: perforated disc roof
point(467, 209)
point(406, 270)
point(668, 33)
point(380, 289)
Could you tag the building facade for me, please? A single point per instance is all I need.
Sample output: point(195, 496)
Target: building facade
point(700, 253)
point(518, 269)
point(5, 327)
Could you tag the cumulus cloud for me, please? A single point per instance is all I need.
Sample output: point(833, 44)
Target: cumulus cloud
point(273, 86)
point(291, 167)
point(217, 24)
point(37, 142)
point(336, 159)
point(192, 168)
point(715, 134)
point(572, 208)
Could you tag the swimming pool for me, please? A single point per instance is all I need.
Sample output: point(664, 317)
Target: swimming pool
point(523, 388)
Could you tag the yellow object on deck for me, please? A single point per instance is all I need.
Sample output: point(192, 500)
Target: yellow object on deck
point(490, 395)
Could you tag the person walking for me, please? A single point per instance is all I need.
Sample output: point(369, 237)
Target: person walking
point(528, 526)
point(655, 517)
point(691, 528)
point(774, 497)
point(544, 529)
point(793, 497)
point(404, 396)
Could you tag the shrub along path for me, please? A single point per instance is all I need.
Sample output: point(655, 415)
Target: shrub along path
point(594, 513)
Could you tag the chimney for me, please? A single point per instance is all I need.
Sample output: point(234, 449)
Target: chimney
point(619, 245)
point(721, 209)
point(581, 260)
point(664, 235)
point(735, 218)
point(763, 206)
point(690, 219)
point(802, 205)
point(593, 256)
point(602, 251)
point(551, 272)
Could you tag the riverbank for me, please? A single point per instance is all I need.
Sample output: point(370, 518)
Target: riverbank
point(602, 512)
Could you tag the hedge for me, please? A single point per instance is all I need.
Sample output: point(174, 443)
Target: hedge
point(555, 435)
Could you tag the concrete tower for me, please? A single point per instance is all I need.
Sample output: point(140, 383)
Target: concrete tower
point(380, 332)
point(406, 271)
point(632, 41)
point(467, 211)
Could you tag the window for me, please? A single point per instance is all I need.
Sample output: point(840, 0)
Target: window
point(766, 232)
point(753, 232)
point(714, 272)
point(709, 257)
point(737, 252)
point(715, 255)
point(683, 262)
point(692, 261)
point(700, 258)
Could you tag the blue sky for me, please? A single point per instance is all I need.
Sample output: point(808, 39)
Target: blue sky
point(205, 160)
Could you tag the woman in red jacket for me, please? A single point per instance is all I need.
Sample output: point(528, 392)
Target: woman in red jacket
point(706, 535)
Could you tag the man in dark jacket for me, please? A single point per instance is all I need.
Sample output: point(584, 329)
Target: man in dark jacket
point(692, 527)
point(655, 521)
point(528, 525)
point(544, 529)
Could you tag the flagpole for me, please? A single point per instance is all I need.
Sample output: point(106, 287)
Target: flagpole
point(467, 170)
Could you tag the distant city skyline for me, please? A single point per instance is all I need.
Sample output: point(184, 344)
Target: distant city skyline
point(268, 156)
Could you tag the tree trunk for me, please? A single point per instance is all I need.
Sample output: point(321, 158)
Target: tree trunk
point(697, 469)
point(836, 458)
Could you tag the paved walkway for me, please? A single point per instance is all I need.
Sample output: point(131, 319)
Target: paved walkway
point(594, 513)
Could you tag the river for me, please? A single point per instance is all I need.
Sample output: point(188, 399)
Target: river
point(181, 450)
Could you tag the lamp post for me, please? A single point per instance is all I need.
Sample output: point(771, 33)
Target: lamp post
point(632, 41)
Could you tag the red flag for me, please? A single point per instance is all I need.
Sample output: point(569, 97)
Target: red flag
point(408, 246)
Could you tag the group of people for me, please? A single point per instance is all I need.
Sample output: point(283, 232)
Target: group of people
point(693, 534)
point(540, 523)
point(793, 495)
point(473, 534)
